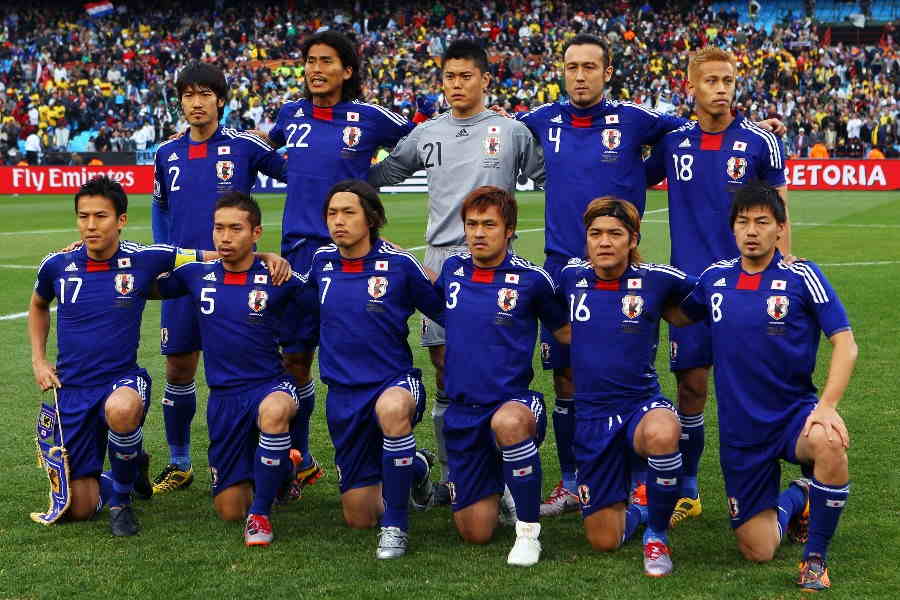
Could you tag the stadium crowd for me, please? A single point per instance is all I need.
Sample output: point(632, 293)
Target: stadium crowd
point(109, 79)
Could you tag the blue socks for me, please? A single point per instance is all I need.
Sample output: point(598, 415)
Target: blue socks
point(124, 450)
point(635, 516)
point(663, 492)
point(270, 468)
point(564, 428)
point(826, 503)
point(790, 502)
point(397, 471)
point(306, 396)
point(179, 406)
point(522, 473)
point(691, 446)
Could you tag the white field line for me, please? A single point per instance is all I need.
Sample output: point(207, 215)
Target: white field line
point(20, 315)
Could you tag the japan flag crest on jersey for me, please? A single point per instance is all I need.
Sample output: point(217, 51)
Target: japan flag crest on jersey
point(736, 167)
point(257, 300)
point(777, 306)
point(506, 299)
point(612, 138)
point(351, 136)
point(224, 170)
point(378, 286)
point(632, 306)
point(124, 283)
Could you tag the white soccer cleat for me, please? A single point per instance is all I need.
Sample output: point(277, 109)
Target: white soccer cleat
point(527, 549)
point(507, 508)
point(392, 543)
point(657, 558)
point(559, 501)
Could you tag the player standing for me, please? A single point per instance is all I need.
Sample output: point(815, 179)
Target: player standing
point(367, 290)
point(765, 319)
point(615, 298)
point(252, 400)
point(494, 423)
point(464, 149)
point(705, 162)
point(192, 171)
point(101, 288)
point(330, 135)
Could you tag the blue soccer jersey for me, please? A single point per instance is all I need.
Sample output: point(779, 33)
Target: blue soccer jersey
point(765, 336)
point(704, 170)
point(324, 146)
point(615, 332)
point(190, 177)
point(100, 304)
point(238, 313)
point(590, 153)
point(364, 306)
point(491, 319)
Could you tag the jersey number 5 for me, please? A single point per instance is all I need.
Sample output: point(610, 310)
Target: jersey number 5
point(207, 302)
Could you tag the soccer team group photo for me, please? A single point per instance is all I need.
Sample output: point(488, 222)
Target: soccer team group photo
point(514, 294)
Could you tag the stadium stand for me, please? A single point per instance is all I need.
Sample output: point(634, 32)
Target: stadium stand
point(105, 84)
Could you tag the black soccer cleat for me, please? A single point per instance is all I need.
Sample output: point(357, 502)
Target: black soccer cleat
point(143, 487)
point(441, 494)
point(122, 522)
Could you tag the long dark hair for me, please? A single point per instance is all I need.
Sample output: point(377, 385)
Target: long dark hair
point(352, 88)
point(368, 200)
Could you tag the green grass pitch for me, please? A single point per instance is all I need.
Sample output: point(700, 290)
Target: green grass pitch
point(184, 551)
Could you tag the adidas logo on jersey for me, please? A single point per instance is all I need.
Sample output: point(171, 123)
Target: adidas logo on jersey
point(720, 283)
point(556, 119)
point(209, 277)
point(462, 133)
point(328, 267)
point(299, 113)
point(173, 156)
point(582, 283)
point(459, 272)
point(71, 267)
point(686, 143)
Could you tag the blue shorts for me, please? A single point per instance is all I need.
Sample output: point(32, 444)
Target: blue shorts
point(475, 463)
point(301, 333)
point(231, 416)
point(753, 473)
point(353, 424)
point(690, 347)
point(179, 330)
point(553, 354)
point(84, 420)
point(603, 447)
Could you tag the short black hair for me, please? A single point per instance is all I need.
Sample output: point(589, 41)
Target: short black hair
point(203, 75)
point(466, 49)
point(244, 202)
point(583, 39)
point(368, 199)
point(760, 194)
point(352, 88)
point(108, 188)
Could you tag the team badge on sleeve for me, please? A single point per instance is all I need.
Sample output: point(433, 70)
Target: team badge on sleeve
point(612, 138)
point(632, 306)
point(777, 306)
point(351, 136)
point(377, 286)
point(257, 300)
point(224, 170)
point(54, 459)
point(736, 167)
point(124, 283)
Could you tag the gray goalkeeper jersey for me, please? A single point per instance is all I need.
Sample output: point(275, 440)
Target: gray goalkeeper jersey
point(460, 155)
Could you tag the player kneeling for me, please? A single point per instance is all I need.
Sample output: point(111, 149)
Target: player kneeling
point(367, 290)
point(615, 305)
point(252, 399)
point(766, 317)
point(494, 423)
point(101, 288)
